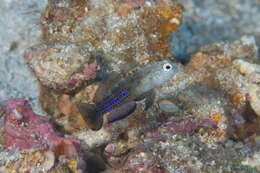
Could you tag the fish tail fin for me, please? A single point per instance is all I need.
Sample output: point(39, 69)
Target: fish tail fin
point(93, 119)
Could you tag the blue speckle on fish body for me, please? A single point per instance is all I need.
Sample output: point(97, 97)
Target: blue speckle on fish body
point(120, 99)
point(118, 96)
point(121, 112)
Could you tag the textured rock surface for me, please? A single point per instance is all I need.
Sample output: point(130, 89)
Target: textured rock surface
point(207, 22)
point(113, 33)
point(212, 93)
point(30, 141)
point(216, 128)
point(32, 161)
point(254, 98)
point(61, 66)
point(25, 130)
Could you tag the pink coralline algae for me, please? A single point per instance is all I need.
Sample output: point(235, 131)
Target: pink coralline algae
point(25, 130)
point(142, 162)
point(188, 125)
point(89, 72)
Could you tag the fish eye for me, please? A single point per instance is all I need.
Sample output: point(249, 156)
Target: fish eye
point(167, 67)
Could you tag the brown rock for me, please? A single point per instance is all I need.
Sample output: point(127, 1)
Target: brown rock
point(254, 98)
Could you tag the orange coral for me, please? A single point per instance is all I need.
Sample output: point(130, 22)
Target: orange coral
point(171, 16)
point(237, 98)
point(124, 9)
point(216, 117)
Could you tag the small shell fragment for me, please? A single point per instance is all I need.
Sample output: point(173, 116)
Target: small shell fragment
point(168, 106)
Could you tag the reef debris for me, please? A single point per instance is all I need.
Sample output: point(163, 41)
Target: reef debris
point(43, 161)
point(205, 104)
point(26, 130)
point(168, 106)
point(137, 162)
point(188, 125)
point(30, 143)
point(120, 32)
point(34, 161)
point(63, 67)
point(254, 98)
point(209, 106)
point(118, 28)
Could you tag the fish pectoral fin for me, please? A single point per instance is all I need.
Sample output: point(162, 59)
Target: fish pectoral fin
point(148, 98)
point(121, 112)
point(91, 117)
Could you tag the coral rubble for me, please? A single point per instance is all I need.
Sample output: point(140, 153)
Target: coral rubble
point(210, 103)
point(199, 118)
point(26, 131)
point(61, 66)
point(122, 32)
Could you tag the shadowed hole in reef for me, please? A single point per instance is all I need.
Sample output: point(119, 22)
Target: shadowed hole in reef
point(94, 162)
point(123, 136)
point(249, 114)
point(243, 130)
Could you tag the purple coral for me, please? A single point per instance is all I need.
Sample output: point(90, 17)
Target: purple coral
point(188, 125)
point(24, 130)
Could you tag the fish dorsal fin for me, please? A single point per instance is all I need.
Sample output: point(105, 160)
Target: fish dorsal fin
point(106, 86)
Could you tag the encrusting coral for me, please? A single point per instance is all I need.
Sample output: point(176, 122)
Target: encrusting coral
point(33, 136)
point(77, 34)
point(210, 105)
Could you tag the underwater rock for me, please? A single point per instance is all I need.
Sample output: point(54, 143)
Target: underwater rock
point(29, 139)
point(188, 125)
point(61, 66)
point(35, 161)
point(216, 84)
point(68, 111)
point(252, 71)
point(204, 103)
point(67, 118)
point(123, 31)
point(62, 109)
point(42, 161)
point(199, 100)
point(68, 166)
point(48, 99)
point(254, 91)
point(253, 161)
point(59, 17)
point(245, 67)
point(25, 130)
point(137, 162)
point(2, 130)
point(212, 87)
point(221, 67)
point(136, 32)
point(254, 98)
point(168, 106)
